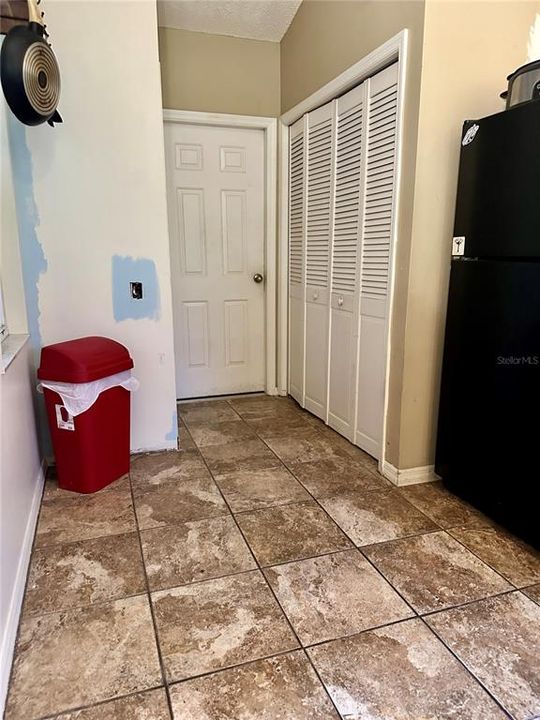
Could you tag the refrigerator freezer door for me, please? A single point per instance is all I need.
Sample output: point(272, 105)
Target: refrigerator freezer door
point(489, 415)
point(498, 200)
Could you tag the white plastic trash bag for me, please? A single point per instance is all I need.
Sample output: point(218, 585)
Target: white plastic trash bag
point(78, 397)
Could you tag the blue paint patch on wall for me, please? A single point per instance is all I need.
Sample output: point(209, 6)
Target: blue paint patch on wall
point(126, 270)
point(172, 435)
point(33, 259)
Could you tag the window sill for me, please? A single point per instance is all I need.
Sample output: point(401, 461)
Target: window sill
point(11, 347)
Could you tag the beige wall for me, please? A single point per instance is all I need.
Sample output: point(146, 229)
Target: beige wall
point(469, 50)
point(460, 52)
point(215, 73)
point(325, 38)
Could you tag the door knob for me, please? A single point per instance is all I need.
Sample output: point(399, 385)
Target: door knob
point(258, 278)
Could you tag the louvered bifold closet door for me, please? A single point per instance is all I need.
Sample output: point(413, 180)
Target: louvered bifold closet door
point(297, 245)
point(348, 211)
point(320, 161)
point(375, 266)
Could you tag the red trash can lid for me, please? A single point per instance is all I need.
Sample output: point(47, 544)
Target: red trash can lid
point(83, 360)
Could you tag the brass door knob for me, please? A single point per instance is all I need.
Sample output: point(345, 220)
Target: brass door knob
point(258, 278)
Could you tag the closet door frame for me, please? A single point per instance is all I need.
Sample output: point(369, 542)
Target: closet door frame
point(393, 50)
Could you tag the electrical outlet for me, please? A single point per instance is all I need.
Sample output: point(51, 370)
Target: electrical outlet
point(136, 290)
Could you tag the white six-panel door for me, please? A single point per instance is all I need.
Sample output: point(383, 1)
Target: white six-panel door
point(341, 204)
point(215, 186)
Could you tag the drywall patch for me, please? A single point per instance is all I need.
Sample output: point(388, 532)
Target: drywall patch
point(126, 270)
point(172, 435)
point(33, 259)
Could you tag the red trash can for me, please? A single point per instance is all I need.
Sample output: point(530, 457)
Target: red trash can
point(91, 449)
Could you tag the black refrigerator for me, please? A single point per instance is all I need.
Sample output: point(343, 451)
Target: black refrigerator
point(489, 413)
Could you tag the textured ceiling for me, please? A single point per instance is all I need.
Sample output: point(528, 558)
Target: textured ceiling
point(255, 19)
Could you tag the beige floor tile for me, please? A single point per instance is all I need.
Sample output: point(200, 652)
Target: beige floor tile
point(177, 501)
point(282, 424)
point(220, 433)
point(442, 506)
point(180, 554)
point(256, 489)
point(236, 456)
point(290, 532)
point(150, 705)
point(70, 575)
point(533, 592)
point(159, 467)
point(400, 672)
point(51, 490)
point(498, 640)
point(347, 448)
point(218, 623)
point(67, 516)
point(213, 411)
point(185, 439)
point(373, 517)
point(334, 595)
point(264, 406)
point(434, 571)
point(518, 562)
point(324, 478)
point(303, 446)
point(280, 688)
point(66, 660)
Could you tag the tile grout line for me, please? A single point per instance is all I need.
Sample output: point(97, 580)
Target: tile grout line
point(261, 572)
point(439, 529)
point(260, 567)
point(467, 669)
point(63, 543)
point(226, 668)
point(23, 601)
point(354, 547)
point(97, 704)
point(98, 603)
point(349, 538)
point(415, 613)
point(473, 552)
point(151, 607)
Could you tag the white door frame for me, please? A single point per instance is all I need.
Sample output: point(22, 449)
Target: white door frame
point(394, 49)
point(269, 126)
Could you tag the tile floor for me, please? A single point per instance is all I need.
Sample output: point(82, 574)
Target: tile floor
point(268, 572)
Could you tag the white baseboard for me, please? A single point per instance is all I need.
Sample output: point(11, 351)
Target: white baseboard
point(8, 641)
point(409, 476)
